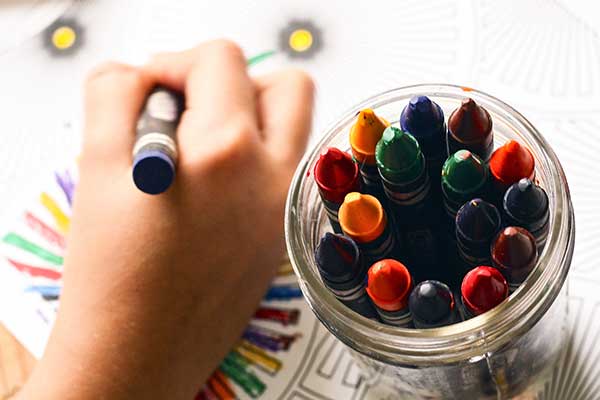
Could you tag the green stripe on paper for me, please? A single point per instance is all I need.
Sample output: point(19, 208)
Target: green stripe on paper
point(24, 244)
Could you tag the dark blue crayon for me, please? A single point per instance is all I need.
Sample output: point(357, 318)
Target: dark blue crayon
point(155, 149)
point(283, 292)
point(477, 223)
point(424, 119)
point(343, 272)
point(525, 204)
point(432, 305)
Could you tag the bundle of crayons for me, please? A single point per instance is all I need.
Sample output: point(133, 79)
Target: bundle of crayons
point(432, 226)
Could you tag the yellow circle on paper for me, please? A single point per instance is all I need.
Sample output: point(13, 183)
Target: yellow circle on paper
point(64, 37)
point(301, 40)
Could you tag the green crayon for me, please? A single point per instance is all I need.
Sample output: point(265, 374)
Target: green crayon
point(464, 177)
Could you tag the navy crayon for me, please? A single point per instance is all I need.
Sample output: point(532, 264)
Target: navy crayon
point(336, 175)
point(432, 305)
point(525, 204)
point(424, 120)
point(343, 272)
point(477, 223)
point(155, 148)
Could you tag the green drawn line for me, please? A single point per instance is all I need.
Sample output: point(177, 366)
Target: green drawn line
point(19, 241)
point(234, 367)
point(260, 57)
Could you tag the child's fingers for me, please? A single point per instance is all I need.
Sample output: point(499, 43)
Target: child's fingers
point(114, 96)
point(214, 78)
point(285, 103)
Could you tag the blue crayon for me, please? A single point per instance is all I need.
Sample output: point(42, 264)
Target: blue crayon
point(432, 305)
point(526, 205)
point(283, 292)
point(477, 223)
point(343, 272)
point(155, 149)
point(424, 120)
point(48, 292)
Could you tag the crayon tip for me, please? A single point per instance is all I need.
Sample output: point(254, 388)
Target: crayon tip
point(483, 288)
point(420, 103)
point(398, 154)
point(431, 301)
point(478, 220)
point(470, 122)
point(153, 171)
point(525, 201)
point(424, 119)
point(389, 284)
point(365, 134)
point(464, 172)
point(336, 174)
point(338, 258)
point(514, 252)
point(362, 217)
point(512, 162)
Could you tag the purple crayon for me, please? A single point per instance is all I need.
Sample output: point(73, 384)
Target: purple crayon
point(268, 339)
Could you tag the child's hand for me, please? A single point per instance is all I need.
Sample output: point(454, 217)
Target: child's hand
point(158, 288)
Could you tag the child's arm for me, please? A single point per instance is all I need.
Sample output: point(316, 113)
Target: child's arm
point(157, 288)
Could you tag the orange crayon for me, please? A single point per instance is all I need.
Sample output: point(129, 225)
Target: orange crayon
point(364, 135)
point(363, 219)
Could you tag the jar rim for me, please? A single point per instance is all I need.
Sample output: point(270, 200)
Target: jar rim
point(467, 339)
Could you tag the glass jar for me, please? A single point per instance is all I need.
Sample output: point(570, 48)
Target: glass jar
point(505, 352)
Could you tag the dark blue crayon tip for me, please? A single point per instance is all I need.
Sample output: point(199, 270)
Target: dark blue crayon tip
point(153, 171)
point(338, 258)
point(478, 221)
point(431, 303)
point(423, 118)
point(525, 201)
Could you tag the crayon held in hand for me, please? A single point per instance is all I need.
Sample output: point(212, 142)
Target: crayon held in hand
point(155, 149)
point(509, 164)
point(389, 286)
point(482, 289)
point(343, 272)
point(432, 305)
point(526, 205)
point(470, 128)
point(363, 219)
point(364, 135)
point(336, 175)
point(514, 254)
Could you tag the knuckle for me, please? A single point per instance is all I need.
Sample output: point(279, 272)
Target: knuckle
point(301, 80)
point(227, 47)
point(112, 76)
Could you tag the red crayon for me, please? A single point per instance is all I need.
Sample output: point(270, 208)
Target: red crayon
point(280, 315)
point(482, 289)
point(389, 287)
point(336, 175)
point(509, 164)
point(514, 253)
